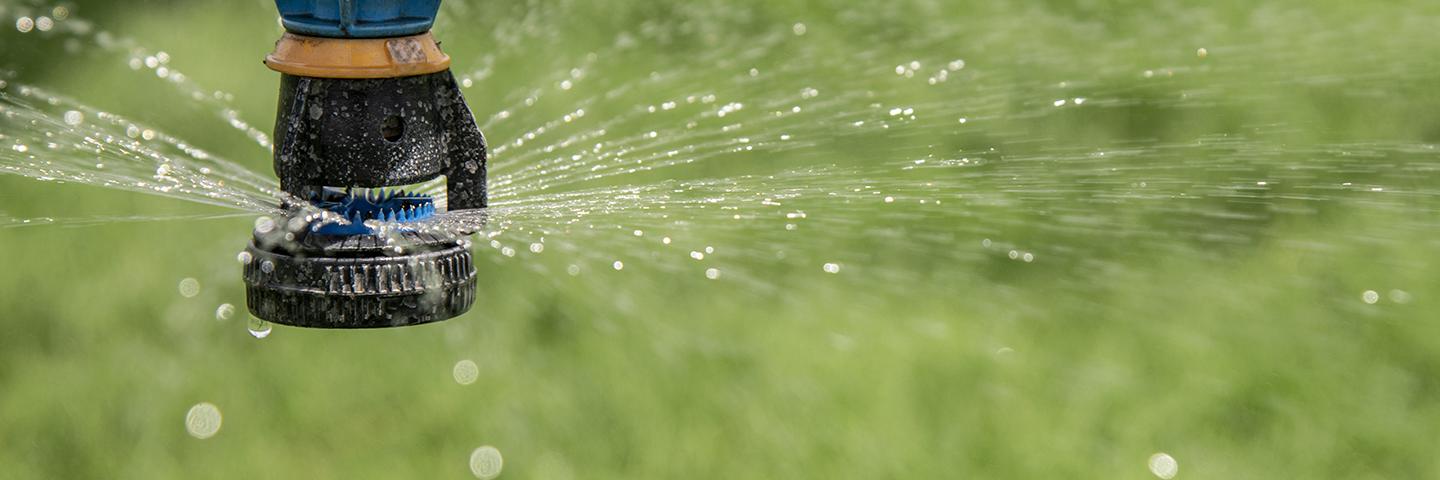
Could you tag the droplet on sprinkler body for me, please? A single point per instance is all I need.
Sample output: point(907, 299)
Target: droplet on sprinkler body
point(258, 328)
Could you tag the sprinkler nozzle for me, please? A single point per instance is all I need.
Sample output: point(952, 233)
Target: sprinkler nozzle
point(367, 100)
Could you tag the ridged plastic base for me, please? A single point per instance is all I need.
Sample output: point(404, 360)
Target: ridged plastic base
point(365, 288)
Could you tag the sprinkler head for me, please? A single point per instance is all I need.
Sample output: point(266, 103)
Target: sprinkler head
point(315, 270)
point(367, 101)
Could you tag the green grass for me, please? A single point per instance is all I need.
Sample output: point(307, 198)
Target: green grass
point(923, 358)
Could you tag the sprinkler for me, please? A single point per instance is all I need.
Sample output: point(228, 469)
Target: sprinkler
point(367, 101)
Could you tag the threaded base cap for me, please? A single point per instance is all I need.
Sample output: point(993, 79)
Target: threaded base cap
point(353, 283)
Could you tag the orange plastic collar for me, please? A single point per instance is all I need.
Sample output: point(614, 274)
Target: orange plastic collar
point(357, 57)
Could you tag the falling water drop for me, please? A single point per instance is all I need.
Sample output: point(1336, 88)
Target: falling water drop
point(1164, 466)
point(465, 372)
point(203, 420)
point(189, 287)
point(486, 462)
point(224, 311)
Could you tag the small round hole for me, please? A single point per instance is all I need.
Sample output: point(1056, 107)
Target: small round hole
point(393, 128)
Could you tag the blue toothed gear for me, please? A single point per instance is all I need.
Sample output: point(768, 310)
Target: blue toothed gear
point(387, 206)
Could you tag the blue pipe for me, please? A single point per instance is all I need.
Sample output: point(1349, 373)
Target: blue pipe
point(357, 18)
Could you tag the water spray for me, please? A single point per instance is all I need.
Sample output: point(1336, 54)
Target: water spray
point(367, 102)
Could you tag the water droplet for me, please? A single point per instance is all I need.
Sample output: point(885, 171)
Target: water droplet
point(1164, 466)
point(619, 265)
point(798, 28)
point(537, 247)
point(44, 24)
point(573, 270)
point(258, 328)
point(244, 258)
point(465, 372)
point(24, 24)
point(267, 266)
point(486, 462)
point(224, 311)
point(1399, 296)
point(1370, 297)
point(831, 268)
point(264, 225)
point(189, 287)
point(712, 273)
point(74, 117)
point(697, 255)
point(1202, 52)
point(203, 420)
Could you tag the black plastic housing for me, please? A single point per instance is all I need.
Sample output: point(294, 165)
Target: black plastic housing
point(378, 132)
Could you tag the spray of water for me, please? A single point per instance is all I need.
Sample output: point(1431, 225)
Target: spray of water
point(962, 158)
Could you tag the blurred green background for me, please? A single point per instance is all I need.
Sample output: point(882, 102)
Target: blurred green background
point(1277, 332)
